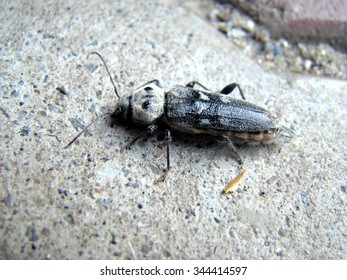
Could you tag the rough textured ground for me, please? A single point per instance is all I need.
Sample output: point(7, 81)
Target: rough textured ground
point(92, 202)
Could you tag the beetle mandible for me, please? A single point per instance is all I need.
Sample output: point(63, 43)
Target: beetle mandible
point(195, 111)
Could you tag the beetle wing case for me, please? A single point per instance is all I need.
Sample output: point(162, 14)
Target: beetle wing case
point(188, 108)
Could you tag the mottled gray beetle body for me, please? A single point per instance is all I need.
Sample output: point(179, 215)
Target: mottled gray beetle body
point(196, 111)
point(200, 112)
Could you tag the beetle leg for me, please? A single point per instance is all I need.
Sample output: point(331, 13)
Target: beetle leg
point(234, 152)
point(285, 132)
point(150, 130)
point(168, 139)
point(232, 185)
point(193, 83)
point(230, 88)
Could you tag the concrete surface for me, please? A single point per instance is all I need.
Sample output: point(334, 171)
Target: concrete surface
point(92, 202)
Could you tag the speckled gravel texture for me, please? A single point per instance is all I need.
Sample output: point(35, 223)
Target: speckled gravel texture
point(278, 54)
point(91, 201)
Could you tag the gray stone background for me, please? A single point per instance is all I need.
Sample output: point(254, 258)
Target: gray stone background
point(92, 202)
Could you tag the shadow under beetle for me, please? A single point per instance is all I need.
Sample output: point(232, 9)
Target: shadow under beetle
point(195, 111)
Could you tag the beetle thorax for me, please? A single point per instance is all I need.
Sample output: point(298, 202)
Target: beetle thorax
point(144, 106)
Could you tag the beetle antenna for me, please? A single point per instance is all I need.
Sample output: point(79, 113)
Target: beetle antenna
point(86, 128)
point(108, 72)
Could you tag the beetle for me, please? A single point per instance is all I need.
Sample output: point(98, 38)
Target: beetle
point(195, 111)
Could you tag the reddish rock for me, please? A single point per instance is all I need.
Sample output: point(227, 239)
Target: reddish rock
point(313, 19)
